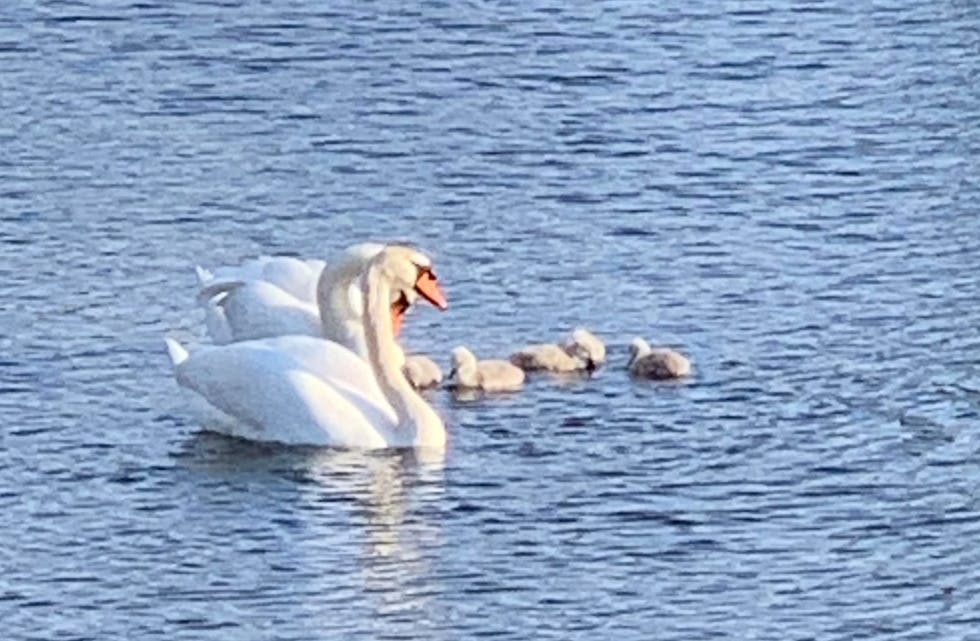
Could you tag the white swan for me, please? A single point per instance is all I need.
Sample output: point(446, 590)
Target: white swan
point(306, 390)
point(582, 350)
point(246, 310)
point(489, 375)
point(656, 363)
point(259, 299)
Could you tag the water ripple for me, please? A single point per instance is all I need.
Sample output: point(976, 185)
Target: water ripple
point(786, 192)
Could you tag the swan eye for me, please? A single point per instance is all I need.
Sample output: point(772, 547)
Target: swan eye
point(426, 271)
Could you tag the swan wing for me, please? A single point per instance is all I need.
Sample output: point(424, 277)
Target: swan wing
point(277, 399)
point(316, 265)
point(249, 270)
point(339, 366)
point(293, 276)
point(259, 309)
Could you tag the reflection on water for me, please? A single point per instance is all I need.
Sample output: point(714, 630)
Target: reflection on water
point(374, 490)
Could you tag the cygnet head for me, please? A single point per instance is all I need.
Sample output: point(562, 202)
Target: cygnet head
point(463, 367)
point(584, 345)
point(462, 357)
point(638, 347)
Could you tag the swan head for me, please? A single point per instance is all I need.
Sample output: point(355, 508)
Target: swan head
point(587, 347)
point(412, 277)
point(638, 348)
point(463, 362)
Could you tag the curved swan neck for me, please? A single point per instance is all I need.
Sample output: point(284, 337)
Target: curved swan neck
point(339, 305)
point(332, 293)
point(338, 297)
point(386, 359)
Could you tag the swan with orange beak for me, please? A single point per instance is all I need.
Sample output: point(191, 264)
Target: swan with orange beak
point(307, 390)
point(426, 287)
point(239, 309)
point(420, 371)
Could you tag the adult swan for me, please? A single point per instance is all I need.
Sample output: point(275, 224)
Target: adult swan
point(243, 303)
point(306, 390)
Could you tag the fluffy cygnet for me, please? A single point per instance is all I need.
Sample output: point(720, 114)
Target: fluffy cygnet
point(421, 371)
point(489, 376)
point(658, 363)
point(581, 350)
point(586, 346)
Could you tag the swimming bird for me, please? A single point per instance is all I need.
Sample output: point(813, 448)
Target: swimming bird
point(261, 298)
point(488, 375)
point(421, 371)
point(308, 390)
point(581, 350)
point(656, 363)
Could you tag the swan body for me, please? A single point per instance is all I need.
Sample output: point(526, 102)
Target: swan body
point(656, 363)
point(488, 375)
point(264, 298)
point(294, 276)
point(546, 356)
point(421, 371)
point(308, 390)
point(257, 309)
point(291, 389)
point(582, 350)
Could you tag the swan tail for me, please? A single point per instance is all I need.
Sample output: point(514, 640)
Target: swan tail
point(176, 351)
point(220, 288)
point(203, 276)
point(217, 323)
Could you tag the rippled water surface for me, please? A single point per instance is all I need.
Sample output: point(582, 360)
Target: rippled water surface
point(786, 191)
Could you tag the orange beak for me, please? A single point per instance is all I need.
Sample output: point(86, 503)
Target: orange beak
point(429, 289)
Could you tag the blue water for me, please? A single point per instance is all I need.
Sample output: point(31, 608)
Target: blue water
point(788, 192)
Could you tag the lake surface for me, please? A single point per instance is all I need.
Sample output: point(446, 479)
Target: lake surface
point(789, 192)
